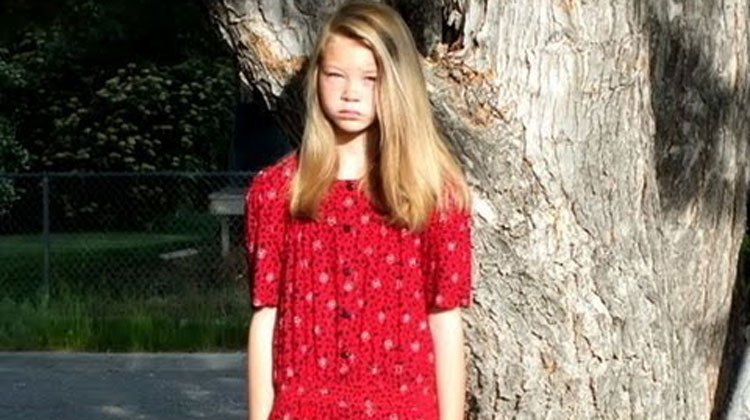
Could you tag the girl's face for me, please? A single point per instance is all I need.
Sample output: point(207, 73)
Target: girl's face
point(347, 83)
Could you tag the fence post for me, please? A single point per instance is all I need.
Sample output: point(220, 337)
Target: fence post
point(45, 238)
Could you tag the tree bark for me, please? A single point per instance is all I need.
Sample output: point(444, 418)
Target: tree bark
point(607, 146)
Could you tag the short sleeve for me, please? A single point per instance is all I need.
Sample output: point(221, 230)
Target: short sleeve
point(449, 257)
point(264, 233)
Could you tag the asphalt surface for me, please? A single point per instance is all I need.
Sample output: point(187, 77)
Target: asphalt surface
point(101, 386)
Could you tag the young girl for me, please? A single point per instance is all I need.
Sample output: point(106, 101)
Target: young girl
point(359, 243)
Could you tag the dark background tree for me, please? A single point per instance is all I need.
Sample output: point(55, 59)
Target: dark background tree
point(127, 86)
point(122, 85)
point(607, 144)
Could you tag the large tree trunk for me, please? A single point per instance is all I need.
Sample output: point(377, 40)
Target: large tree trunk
point(607, 145)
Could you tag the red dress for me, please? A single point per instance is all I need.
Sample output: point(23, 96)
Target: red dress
point(352, 339)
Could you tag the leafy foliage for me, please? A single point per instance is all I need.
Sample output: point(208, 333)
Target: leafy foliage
point(117, 86)
point(13, 158)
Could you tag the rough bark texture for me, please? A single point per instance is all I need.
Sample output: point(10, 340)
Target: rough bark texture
point(607, 146)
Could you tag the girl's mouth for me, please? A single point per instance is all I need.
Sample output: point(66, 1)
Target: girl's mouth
point(349, 114)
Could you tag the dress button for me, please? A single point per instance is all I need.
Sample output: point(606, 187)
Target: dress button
point(345, 354)
point(350, 186)
point(345, 314)
point(347, 271)
point(347, 228)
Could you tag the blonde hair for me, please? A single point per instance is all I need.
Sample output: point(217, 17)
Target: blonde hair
point(410, 167)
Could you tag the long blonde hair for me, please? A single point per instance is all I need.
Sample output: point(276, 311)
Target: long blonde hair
point(410, 167)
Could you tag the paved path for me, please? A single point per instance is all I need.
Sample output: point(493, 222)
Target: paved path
point(101, 386)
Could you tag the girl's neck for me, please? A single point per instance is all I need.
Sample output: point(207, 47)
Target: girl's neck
point(351, 151)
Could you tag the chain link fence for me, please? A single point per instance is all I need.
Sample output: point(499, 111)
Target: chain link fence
point(115, 241)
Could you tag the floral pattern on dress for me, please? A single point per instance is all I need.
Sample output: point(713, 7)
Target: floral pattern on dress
point(353, 294)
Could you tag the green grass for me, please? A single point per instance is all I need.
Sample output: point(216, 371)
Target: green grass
point(112, 292)
point(113, 261)
point(208, 321)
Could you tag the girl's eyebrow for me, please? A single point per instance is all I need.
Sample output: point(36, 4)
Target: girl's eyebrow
point(329, 67)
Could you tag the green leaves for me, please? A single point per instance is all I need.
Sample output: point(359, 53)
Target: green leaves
point(78, 105)
point(13, 158)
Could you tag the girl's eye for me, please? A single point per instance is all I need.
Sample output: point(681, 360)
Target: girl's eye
point(371, 79)
point(333, 75)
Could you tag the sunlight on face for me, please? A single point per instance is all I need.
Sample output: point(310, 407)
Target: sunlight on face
point(347, 85)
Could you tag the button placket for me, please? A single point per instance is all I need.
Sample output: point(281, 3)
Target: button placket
point(345, 314)
point(348, 284)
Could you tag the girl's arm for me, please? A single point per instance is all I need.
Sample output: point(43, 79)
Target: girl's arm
point(448, 338)
point(449, 268)
point(265, 224)
point(260, 363)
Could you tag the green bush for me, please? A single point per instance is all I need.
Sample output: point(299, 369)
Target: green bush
point(139, 117)
point(114, 86)
point(93, 86)
point(13, 158)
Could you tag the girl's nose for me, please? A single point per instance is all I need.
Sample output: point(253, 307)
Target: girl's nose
point(351, 91)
